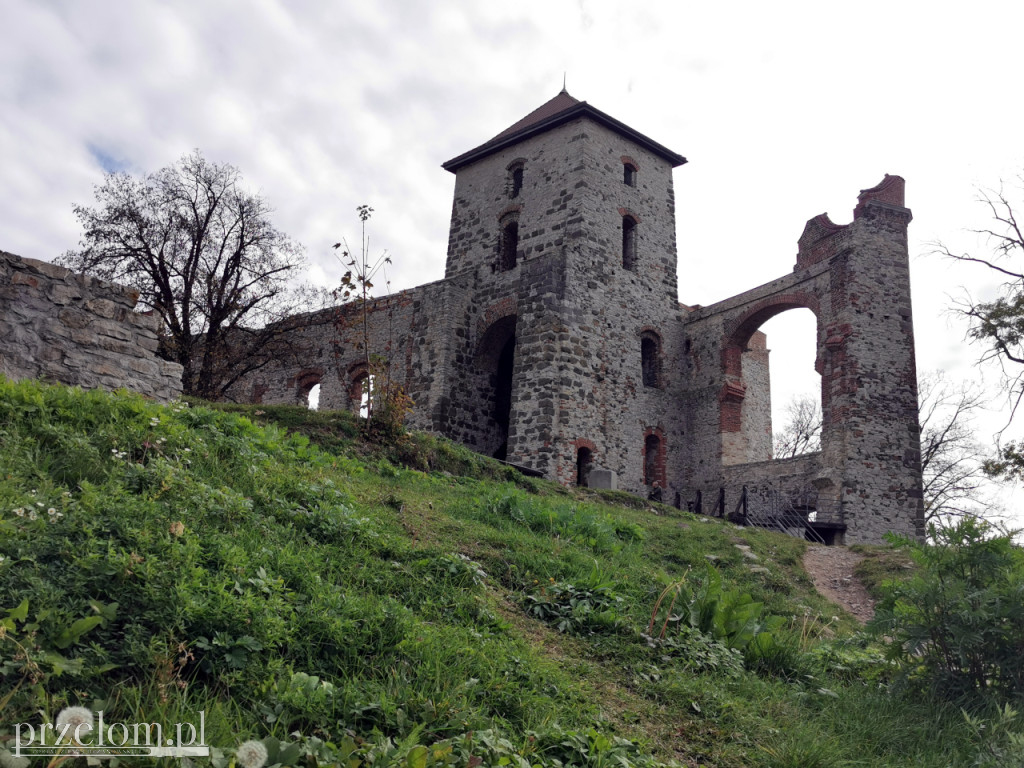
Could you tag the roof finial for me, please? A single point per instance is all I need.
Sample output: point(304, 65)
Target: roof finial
point(563, 83)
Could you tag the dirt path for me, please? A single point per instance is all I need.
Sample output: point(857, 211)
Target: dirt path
point(831, 570)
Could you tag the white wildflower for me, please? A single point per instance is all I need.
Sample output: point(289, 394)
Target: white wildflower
point(20, 511)
point(77, 720)
point(251, 754)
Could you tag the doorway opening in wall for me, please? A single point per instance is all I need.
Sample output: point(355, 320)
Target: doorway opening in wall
point(489, 402)
point(313, 398)
point(795, 384)
point(503, 394)
point(652, 448)
point(584, 461)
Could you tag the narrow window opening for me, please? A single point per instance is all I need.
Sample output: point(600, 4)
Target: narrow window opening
point(628, 242)
point(517, 182)
point(652, 447)
point(650, 359)
point(509, 246)
point(584, 461)
point(629, 174)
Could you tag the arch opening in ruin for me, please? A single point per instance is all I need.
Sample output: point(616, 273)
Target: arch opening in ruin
point(747, 400)
point(795, 382)
point(305, 382)
point(495, 358)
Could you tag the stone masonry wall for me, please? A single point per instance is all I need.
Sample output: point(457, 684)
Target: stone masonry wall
point(77, 330)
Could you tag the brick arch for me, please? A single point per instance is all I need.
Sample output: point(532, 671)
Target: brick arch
point(739, 331)
point(356, 376)
point(493, 338)
point(736, 339)
point(305, 380)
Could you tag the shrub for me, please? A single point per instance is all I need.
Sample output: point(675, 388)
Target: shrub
point(730, 616)
point(958, 624)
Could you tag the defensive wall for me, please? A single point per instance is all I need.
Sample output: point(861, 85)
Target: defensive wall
point(65, 327)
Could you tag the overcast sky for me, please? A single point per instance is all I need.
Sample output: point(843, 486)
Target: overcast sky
point(784, 110)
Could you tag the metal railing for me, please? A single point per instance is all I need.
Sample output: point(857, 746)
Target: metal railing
point(767, 507)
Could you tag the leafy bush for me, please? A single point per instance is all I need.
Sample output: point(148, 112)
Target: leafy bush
point(957, 624)
point(732, 616)
point(588, 608)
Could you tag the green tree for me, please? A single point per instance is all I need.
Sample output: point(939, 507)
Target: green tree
point(957, 625)
point(202, 253)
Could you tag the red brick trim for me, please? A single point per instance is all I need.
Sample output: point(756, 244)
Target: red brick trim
point(624, 212)
point(506, 307)
point(508, 210)
point(627, 160)
point(582, 442)
point(730, 406)
point(307, 377)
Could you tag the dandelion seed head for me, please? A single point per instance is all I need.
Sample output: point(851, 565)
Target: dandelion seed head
point(78, 720)
point(251, 754)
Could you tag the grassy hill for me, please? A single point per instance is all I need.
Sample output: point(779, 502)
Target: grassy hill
point(410, 604)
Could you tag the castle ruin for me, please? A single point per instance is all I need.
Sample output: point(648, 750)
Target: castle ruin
point(556, 340)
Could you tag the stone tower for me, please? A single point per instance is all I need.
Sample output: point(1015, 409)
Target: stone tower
point(563, 232)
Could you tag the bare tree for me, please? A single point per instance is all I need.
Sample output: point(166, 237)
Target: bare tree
point(953, 462)
point(998, 325)
point(203, 255)
point(802, 432)
point(952, 459)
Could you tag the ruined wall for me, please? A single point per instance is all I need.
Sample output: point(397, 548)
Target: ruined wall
point(855, 278)
point(411, 329)
point(77, 330)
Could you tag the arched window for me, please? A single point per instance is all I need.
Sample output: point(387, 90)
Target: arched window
point(650, 358)
point(360, 393)
point(515, 179)
point(628, 242)
point(305, 383)
point(584, 461)
point(629, 174)
point(509, 245)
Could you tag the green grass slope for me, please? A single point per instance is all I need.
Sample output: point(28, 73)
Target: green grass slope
point(350, 607)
